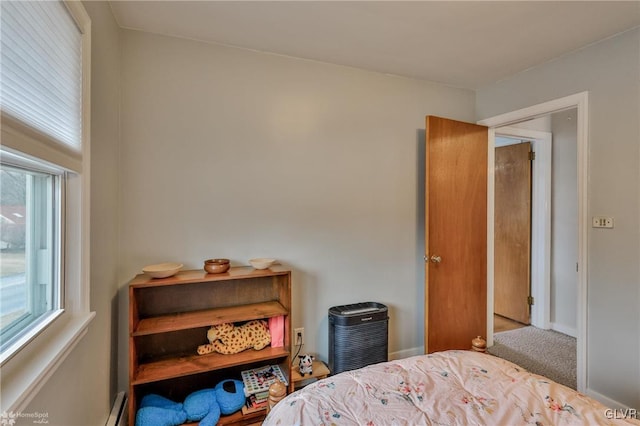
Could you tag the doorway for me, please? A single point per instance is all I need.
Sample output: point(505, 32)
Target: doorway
point(579, 102)
point(540, 236)
point(512, 233)
point(554, 218)
point(513, 169)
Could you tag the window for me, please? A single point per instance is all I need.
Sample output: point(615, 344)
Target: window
point(44, 190)
point(30, 213)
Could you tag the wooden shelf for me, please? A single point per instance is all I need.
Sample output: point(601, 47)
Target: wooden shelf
point(201, 276)
point(236, 418)
point(192, 364)
point(208, 317)
point(320, 371)
point(319, 368)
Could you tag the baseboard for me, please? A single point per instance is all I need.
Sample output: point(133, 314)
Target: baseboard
point(569, 331)
point(606, 400)
point(406, 353)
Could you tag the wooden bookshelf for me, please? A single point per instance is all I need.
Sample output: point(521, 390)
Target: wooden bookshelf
point(169, 318)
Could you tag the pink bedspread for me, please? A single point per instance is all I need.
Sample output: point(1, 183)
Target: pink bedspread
point(445, 388)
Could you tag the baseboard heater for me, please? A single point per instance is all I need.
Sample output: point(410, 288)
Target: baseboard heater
point(118, 415)
point(358, 336)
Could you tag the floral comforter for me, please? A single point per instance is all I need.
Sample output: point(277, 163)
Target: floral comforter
point(444, 388)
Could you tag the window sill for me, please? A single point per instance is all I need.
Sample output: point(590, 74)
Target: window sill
point(29, 369)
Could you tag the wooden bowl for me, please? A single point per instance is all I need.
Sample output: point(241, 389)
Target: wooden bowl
point(162, 270)
point(216, 266)
point(261, 262)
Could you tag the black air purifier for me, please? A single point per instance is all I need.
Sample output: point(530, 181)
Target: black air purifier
point(358, 336)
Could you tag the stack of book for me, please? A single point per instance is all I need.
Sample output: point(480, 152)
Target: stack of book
point(256, 386)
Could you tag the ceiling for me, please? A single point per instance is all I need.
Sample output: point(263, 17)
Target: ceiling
point(458, 43)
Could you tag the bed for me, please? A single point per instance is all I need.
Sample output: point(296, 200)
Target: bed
point(444, 388)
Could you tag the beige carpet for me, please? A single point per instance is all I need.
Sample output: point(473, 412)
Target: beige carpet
point(545, 352)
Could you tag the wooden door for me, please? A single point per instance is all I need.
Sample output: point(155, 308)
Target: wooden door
point(455, 234)
point(512, 241)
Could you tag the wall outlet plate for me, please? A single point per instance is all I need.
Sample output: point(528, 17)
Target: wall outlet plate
point(298, 336)
point(602, 222)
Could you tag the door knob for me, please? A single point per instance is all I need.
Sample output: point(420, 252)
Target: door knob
point(436, 259)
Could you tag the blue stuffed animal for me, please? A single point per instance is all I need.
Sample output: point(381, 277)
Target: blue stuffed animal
point(156, 410)
point(204, 406)
point(230, 396)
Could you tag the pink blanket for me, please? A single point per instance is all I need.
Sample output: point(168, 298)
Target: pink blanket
point(445, 388)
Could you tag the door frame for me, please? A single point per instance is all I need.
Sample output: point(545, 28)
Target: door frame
point(541, 143)
point(579, 101)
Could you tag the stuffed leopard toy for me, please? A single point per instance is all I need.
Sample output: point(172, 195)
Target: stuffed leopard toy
point(229, 339)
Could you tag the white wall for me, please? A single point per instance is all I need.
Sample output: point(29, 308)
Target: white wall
point(564, 222)
point(609, 71)
point(234, 153)
point(80, 392)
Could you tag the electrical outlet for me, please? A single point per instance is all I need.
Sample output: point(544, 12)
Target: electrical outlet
point(602, 222)
point(298, 334)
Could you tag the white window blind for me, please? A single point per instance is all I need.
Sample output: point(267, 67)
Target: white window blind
point(41, 69)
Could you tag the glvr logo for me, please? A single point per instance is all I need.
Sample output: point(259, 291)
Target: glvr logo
point(621, 414)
